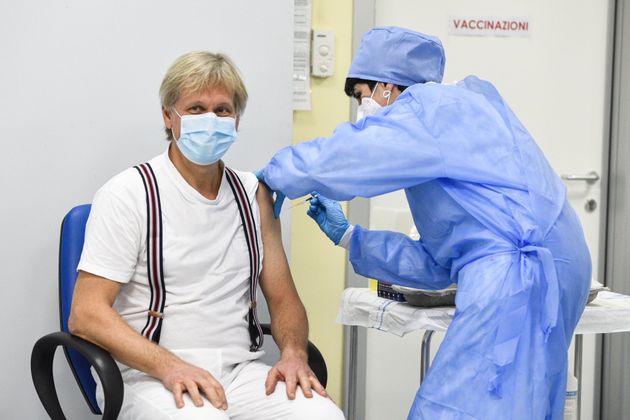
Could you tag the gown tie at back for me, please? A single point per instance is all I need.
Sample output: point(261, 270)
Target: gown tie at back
point(514, 310)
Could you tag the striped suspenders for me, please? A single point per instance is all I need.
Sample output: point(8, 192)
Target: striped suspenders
point(155, 272)
point(249, 227)
point(153, 326)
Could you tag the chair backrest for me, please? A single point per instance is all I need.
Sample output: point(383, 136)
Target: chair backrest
point(70, 248)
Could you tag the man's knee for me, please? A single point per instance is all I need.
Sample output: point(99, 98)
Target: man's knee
point(147, 399)
point(317, 408)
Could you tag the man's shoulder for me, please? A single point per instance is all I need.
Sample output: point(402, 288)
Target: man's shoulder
point(129, 182)
point(123, 184)
point(249, 180)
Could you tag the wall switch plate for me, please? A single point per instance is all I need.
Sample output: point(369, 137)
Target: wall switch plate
point(323, 53)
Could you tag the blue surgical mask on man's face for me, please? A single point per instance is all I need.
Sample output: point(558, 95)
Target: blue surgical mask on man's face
point(204, 139)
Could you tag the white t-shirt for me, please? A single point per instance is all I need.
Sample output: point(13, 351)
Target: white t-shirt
point(205, 257)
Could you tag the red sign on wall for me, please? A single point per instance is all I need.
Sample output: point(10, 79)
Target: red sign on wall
point(488, 26)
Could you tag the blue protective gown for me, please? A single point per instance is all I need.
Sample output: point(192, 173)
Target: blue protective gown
point(493, 217)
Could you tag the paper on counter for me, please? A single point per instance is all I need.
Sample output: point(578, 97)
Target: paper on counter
point(362, 307)
point(608, 313)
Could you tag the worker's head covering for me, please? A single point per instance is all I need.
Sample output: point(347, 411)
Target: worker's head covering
point(396, 55)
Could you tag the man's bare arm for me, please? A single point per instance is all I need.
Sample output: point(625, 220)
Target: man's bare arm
point(289, 324)
point(93, 318)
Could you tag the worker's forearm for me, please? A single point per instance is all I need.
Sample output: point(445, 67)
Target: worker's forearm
point(372, 253)
point(104, 327)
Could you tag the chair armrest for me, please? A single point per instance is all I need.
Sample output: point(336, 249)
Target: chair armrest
point(317, 363)
point(315, 359)
point(105, 366)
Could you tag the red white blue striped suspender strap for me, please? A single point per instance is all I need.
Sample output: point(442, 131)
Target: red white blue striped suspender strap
point(155, 269)
point(251, 236)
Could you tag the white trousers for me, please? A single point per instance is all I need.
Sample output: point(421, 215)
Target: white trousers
point(146, 398)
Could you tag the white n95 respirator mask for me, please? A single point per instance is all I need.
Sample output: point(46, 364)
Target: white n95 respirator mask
point(369, 106)
point(204, 139)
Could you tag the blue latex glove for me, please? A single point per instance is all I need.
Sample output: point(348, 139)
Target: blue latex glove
point(329, 216)
point(260, 174)
point(278, 196)
point(277, 203)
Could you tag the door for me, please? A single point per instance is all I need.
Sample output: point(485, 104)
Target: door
point(616, 347)
point(555, 77)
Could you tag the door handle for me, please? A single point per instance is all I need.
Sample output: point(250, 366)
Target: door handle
point(590, 177)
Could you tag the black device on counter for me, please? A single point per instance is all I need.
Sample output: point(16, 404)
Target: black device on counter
point(385, 290)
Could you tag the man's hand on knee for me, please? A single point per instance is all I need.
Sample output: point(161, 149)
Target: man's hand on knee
point(294, 371)
point(180, 377)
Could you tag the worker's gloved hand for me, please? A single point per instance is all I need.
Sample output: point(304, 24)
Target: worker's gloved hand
point(329, 216)
point(278, 195)
point(260, 174)
point(277, 203)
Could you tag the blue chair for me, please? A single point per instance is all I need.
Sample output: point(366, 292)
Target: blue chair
point(82, 354)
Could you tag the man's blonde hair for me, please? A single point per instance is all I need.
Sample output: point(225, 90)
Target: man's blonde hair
point(199, 70)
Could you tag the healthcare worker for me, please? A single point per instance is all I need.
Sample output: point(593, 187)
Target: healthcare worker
point(492, 215)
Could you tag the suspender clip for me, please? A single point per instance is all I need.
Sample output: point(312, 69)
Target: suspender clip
point(156, 314)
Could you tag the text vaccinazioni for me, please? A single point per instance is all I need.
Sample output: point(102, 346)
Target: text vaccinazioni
point(489, 26)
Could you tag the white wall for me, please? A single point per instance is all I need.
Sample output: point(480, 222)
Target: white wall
point(78, 103)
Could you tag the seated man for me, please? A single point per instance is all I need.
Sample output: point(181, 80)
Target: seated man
point(172, 256)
